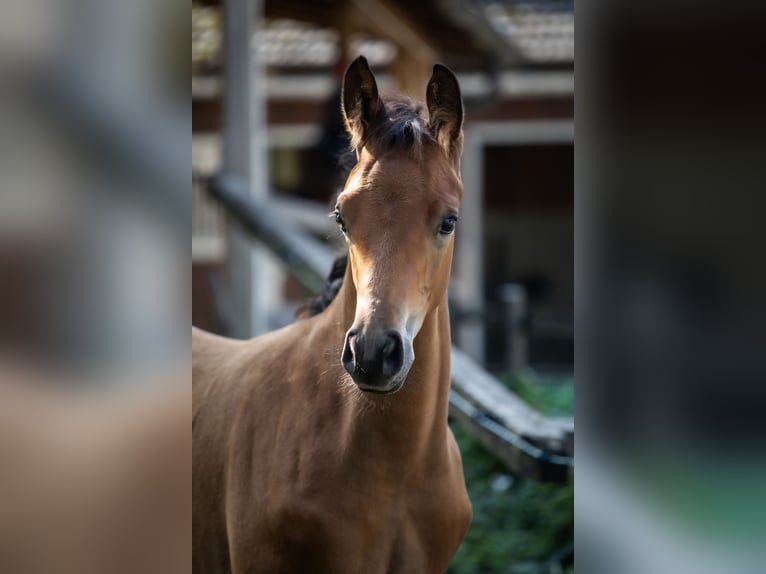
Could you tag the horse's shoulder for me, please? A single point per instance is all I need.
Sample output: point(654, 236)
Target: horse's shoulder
point(208, 346)
point(293, 344)
point(255, 376)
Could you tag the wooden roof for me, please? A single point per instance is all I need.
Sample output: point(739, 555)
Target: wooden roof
point(457, 43)
point(465, 34)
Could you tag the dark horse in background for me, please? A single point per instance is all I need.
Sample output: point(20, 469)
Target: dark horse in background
point(324, 447)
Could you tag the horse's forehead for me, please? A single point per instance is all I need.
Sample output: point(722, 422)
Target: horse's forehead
point(408, 179)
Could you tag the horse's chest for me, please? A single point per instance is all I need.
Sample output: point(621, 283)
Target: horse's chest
point(315, 509)
point(384, 534)
point(330, 546)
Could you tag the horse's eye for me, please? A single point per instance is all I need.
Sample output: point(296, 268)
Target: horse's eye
point(448, 225)
point(339, 221)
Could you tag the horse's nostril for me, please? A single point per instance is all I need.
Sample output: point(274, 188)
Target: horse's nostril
point(349, 356)
point(393, 354)
point(372, 358)
point(389, 346)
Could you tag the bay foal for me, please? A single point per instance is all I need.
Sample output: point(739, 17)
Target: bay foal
point(324, 447)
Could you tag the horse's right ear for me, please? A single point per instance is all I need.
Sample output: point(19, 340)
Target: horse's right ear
point(361, 103)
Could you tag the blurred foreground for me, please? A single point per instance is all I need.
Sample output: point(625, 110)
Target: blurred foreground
point(670, 288)
point(94, 481)
point(94, 298)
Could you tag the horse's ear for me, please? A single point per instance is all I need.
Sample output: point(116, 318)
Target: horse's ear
point(361, 103)
point(445, 110)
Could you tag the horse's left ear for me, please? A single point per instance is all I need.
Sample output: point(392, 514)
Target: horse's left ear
point(445, 110)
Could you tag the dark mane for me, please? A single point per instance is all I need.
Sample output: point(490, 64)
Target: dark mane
point(403, 125)
point(331, 287)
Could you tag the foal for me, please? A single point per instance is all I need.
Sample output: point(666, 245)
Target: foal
point(324, 447)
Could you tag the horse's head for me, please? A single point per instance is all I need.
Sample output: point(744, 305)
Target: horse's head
point(397, 211)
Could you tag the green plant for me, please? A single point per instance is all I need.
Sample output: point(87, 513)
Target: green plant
point(551, 396)
point(518, 525)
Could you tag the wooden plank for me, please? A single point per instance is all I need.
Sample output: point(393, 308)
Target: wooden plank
point(304, 257)
point(519, 455)
point(309, 215)
point(489, 395)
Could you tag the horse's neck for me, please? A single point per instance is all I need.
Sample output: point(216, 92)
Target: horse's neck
point(415, 418)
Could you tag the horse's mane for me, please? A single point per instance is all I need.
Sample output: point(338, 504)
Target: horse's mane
point(331, 287)
point(404, 126)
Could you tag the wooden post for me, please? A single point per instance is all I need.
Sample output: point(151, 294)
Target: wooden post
point(412, 74)
point(514, 299)
point(469, 265)
point(251, 272)
point(469, 262)
point(415, 56)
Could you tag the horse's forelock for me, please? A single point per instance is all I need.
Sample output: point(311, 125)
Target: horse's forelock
point(402, 126)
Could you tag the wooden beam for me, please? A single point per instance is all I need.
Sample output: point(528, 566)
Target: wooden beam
point(490, 396)
point(302, 255)
point(415, 55)
point(391, 23)
point(412, 74)
point(519, 455)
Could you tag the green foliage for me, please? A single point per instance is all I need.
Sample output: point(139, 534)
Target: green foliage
point(519, 525)
point(553, 397)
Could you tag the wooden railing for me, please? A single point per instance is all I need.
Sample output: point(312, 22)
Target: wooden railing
point(528, 442)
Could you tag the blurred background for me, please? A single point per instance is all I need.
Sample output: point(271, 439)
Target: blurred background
point(96, 214)
point(94, 210)
point(670, 206)
point(266, 113)
point(95, 219)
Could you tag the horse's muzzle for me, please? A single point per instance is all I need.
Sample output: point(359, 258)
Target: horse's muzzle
point(374, 359)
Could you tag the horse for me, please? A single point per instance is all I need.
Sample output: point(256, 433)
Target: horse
point(324, 447)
